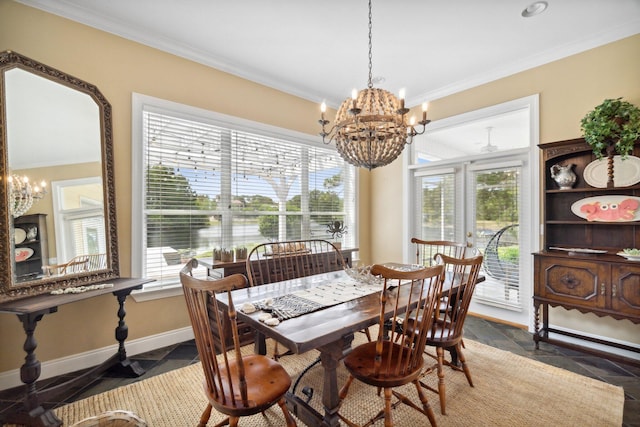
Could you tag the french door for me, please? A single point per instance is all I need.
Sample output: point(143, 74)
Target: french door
point(483, 203)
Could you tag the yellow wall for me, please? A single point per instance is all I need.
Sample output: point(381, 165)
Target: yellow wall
point(568, 88)
point(119, 67)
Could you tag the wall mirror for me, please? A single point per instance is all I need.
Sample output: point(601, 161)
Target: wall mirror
point(57, 220)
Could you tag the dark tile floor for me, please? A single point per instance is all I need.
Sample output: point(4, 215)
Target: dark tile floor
point(498, 335)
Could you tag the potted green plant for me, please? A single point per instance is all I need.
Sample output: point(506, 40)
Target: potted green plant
point(611, 127)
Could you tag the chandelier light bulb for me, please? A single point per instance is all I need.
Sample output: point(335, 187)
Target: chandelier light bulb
point(425, 108)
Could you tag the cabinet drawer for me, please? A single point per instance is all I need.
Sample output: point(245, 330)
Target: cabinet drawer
point(574, 282)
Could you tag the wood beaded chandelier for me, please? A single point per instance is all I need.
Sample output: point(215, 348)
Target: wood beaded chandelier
point(371, 127)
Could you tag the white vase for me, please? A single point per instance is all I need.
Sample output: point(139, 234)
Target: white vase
point(563, 175)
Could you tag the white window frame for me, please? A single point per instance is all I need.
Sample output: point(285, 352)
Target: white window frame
point(141, 103)
point(64, 235)
point(532, 181)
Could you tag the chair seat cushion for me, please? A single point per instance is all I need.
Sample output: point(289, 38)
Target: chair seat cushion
point(267, 382)
point(361, 364)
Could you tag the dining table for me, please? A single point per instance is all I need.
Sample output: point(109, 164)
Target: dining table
point(329, 329)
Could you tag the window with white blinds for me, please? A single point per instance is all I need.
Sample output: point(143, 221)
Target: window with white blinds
point(435, 205)
point(497, 212)
point(79, 218)
point(208, 185)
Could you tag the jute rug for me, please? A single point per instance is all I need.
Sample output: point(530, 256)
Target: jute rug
point(509, 390)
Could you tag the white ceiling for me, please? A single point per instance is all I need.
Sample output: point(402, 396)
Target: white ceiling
point(318, 49)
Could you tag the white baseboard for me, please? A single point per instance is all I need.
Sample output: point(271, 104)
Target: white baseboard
point(64, 365)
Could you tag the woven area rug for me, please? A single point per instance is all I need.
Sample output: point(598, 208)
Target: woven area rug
point(509, 390)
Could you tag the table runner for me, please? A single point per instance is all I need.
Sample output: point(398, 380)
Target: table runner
point(308, 300)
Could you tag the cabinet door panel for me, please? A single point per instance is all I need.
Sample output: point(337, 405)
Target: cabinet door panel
point(625, 292)
point(574, 282)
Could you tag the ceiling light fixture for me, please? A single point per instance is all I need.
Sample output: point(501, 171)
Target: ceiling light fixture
point(488, 148)
point(371, 128)
point(534, 9)
point(23, 195)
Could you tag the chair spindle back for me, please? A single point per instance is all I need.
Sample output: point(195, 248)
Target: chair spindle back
point(278, 261)
point(206, 314)
point(461, 276)
point(424, 288)
point(426, 250)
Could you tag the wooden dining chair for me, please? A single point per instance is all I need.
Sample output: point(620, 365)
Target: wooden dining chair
point(79, 264)
point(278, 261)
point(235, 385)
point(447, 331)
point(395, 358)
point(426, 250)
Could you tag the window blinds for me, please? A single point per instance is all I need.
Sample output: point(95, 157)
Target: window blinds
point(209, 186)
point(497, 211)
point(436, 205)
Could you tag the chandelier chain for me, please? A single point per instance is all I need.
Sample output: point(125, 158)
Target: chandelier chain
point(370, 84)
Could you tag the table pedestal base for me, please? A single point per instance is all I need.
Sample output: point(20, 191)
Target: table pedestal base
point(331, 356)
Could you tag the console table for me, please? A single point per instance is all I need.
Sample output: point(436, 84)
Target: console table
point(30, 311)
point(240, 266)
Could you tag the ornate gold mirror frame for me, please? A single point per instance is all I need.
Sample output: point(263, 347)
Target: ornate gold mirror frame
point(10, 288)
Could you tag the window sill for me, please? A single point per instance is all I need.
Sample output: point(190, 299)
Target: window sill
point(156, 292)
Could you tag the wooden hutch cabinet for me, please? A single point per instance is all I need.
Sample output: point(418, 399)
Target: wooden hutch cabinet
point(31, 245)
point(578, 268)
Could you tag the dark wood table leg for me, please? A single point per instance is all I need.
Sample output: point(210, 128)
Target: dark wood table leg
point(260, 344)
point(32, 413)
point(330, 357)
point(453, 352)
point(124, 365)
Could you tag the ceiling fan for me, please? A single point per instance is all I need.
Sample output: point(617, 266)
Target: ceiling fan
point(489, 148)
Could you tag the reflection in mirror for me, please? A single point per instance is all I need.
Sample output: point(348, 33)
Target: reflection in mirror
point(78, 213)
point(57, 135)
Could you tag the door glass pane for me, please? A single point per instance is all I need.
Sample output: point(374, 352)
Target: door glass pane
point(496, 230)
point(437, 207)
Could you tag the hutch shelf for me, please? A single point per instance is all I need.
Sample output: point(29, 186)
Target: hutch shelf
point(31, 244)
point(585, 274)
